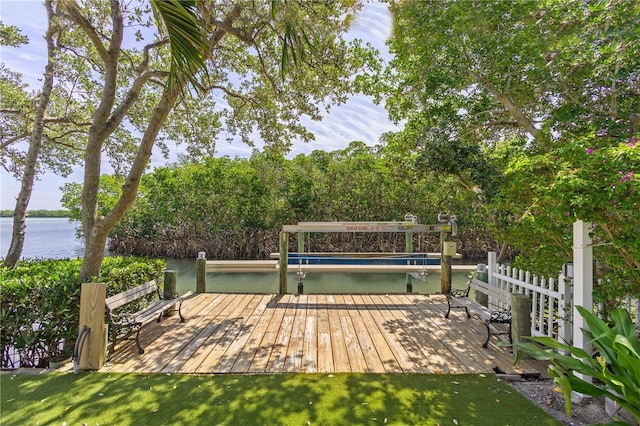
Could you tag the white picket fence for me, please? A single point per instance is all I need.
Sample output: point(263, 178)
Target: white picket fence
point(551, 313)
point(551, 299)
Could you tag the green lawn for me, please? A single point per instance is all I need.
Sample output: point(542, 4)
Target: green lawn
point(284, 399)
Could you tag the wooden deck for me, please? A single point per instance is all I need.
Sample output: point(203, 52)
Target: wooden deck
point(257, 333)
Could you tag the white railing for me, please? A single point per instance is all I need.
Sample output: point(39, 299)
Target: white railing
point(550, 298)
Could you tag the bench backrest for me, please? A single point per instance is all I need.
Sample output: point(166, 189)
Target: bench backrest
point(498, 297)
point(121, 299)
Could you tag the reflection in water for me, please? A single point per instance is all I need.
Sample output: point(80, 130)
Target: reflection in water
point(325, 282)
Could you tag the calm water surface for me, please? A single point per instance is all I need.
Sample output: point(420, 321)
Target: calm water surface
point(54, 238)
point(45, 238)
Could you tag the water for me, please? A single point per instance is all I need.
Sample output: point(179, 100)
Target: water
point(54, 238)
point(324, 282)
point(45, 238)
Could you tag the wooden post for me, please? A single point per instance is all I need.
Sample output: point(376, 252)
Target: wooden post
point(92, 310)
point(520, 318)
point(445, 264)
point(482, 275)
point(283, 261)
point(300, 242)
point(408, 237)
point(170, 292)
point(492, 267)
point(201, 272)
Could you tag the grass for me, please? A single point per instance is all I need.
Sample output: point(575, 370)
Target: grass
point(284, 399)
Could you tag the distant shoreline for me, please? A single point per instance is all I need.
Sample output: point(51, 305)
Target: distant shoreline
point(39, 213)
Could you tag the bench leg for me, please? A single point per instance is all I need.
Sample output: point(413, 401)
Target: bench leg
point(140, 350)
point(489, 334)
point(449, 307)
point(114, 336)
point(486, 342)
point(180, 311)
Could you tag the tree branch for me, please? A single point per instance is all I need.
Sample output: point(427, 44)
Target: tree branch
point(132, 95)
point(227, 28)
point(75, 14)
point(525, 123)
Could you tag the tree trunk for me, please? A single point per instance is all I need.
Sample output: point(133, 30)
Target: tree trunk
point(33, 153)
point(95, 243)
point(503, 252)
point(96, 235)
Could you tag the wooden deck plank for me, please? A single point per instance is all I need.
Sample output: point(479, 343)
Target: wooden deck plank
point(168, 348)
point(247, 333)
point(445, 338)
point(231, 346)
point(386, 355)
point(212, 327)
point(464, 344)
point(263, 352)
point(288, 303)
point(437, 355)
point(357, 359)
point(310, 345)
point(126, 354)
point(206, 328)
point(387, 325)
point(338, 345)
point(262, 317)
point(396, 312)
point(325, 353)
point(293, 360)
point(207, 356)
point(279, 352)
point(396, 321)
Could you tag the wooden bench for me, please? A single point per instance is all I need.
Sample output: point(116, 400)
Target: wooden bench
point(136, 321)
point(498, 312)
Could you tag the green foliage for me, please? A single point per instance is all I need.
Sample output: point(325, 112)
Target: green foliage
point(616, 368)
point(110, 191)
point(11, 36)
point(228, 206)
point(187, 39)
point(40, 303)
point(534, 107)
point(580, 180)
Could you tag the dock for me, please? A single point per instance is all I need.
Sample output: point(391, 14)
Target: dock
point(316, 333)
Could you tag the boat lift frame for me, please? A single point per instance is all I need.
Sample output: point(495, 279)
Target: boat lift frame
point(447, 227)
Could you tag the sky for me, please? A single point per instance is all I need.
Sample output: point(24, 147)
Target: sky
point(358, 119)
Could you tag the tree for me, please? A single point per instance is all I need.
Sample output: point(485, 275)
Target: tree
point(30, 163)
point(510, 97)
point(241, 91)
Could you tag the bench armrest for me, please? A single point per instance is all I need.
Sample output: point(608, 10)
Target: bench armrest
point(121, 319)
point(500, 317)
point(460, 292)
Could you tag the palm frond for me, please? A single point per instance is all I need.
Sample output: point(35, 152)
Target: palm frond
point(186, 37)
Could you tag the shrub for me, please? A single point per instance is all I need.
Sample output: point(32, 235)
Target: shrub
point(40, 304)
point(616, 369)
